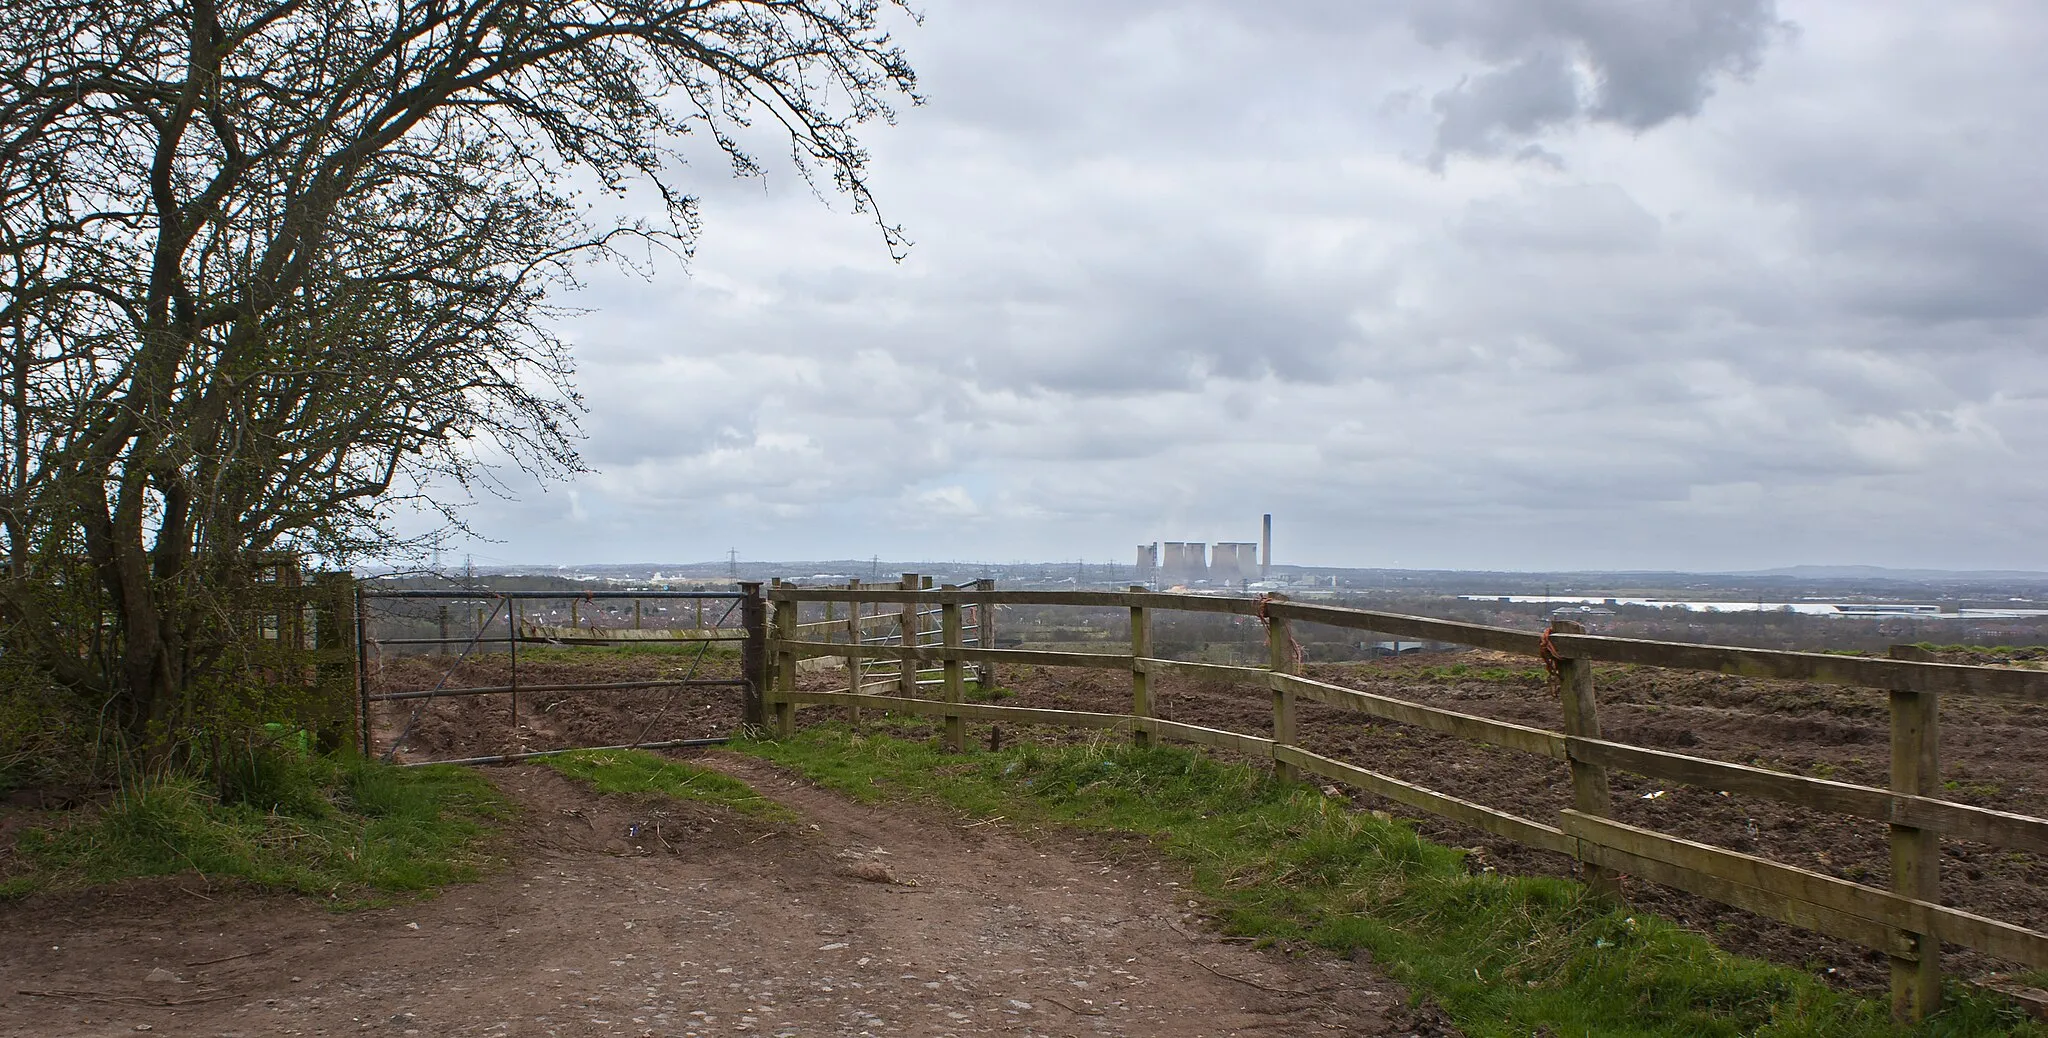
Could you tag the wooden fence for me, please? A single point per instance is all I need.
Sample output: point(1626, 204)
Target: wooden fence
point(915, 625)
point(1907, 922)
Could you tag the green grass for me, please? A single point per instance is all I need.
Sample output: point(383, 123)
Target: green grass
point(352, 832)
point(972, 692)
point(2000, 651)
point(716, 652)
point(641, 772)
point(1282, 862)
point(1460, 671)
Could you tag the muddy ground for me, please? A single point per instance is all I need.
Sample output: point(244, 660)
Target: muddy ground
point(630, 916)
point(470, 726)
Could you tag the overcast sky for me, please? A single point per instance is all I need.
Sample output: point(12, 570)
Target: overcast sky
point(1521, 284)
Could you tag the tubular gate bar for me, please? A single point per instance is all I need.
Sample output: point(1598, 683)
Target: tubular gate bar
point(1906, 922)
point(745, 603)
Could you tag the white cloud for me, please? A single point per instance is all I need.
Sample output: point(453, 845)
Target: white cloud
point(1776, 300)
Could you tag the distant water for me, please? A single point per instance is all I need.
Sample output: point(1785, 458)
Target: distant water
point(1857, 609)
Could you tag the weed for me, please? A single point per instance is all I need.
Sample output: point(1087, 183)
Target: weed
point(1981, 790)
point(1493, 675)
point(348, 830)
point(974, 693)
point(638, 771)
point(714, 652)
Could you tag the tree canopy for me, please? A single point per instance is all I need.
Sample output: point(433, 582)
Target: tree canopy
point(268, 267)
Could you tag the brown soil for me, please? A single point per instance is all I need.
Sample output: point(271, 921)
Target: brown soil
point(1993, 755)
point(466, 726)
point(628, 916)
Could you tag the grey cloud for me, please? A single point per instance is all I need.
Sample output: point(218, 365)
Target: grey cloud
point(1646, 61)
point(1486, 113)
point(1918, 198)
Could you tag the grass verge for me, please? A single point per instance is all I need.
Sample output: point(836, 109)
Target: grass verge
point(714, 653)
point(352, 832)
point(641, 772)
point(1282, 862)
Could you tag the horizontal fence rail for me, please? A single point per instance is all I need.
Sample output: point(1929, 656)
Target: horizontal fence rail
point(2026, 686)
point(1907, 922)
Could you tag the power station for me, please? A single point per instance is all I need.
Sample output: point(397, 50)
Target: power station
point(1226, 562)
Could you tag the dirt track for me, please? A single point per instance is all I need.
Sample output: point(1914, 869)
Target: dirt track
point(857, 922)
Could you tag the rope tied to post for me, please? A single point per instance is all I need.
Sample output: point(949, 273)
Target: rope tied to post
point(1300, 656)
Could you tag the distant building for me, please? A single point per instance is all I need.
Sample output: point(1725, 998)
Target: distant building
point(1183, 562)
point(1233, 560)
point(1579, 612)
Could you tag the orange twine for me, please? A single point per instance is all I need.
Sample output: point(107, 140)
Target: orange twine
point(1547, 652)
point(1300, 655)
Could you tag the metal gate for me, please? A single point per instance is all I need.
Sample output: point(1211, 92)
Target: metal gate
point(437, 623)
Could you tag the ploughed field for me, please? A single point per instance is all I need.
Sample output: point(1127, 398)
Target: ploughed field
point(456, 726)
point(1993, 755)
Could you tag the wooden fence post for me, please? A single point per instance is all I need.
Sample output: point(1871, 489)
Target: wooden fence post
point(754, 655)
point(442, 649)
point(1590, 792)
point(1280, 649)
point(1916, 853)
point(785, 667)
point(1141, 682)
point(365, 731)
point(854, 676)
point(906, 682)
point(985, 628)
point(949, 636)
point(334, 662)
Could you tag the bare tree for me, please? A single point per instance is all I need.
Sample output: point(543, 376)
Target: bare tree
point(268, 267)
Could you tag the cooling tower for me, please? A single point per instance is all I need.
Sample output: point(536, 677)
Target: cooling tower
point(1173, 567)
point(1233, 560)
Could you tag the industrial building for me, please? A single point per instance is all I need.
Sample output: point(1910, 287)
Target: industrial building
point(1233, 561)
point(1188, 562)
point(1183, 562)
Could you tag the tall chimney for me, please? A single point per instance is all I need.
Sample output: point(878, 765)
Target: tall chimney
point(1266, 549)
